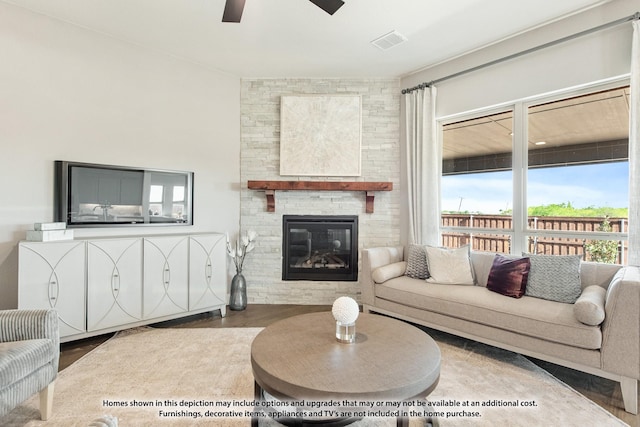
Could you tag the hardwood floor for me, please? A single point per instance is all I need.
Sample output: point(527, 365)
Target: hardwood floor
point(603, 392)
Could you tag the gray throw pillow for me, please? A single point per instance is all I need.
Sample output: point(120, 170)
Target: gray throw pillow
point(417, 266)
point(554, 277)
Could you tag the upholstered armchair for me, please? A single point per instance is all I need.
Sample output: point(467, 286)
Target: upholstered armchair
point(29, 355)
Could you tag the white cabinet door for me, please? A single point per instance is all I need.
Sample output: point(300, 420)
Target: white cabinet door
point(208, 272)
point(52, 275)
point(166, 276)
point(114, 278)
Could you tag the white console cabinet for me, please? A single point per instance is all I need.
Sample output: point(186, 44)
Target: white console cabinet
point(106, 284)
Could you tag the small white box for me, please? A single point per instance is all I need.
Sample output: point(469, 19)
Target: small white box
point(42, 226)
point(49, 235)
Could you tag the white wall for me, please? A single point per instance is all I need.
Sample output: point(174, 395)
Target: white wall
point(67, 93)
point(585, 60)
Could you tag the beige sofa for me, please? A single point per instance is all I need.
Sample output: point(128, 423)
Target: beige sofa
point(540, 328)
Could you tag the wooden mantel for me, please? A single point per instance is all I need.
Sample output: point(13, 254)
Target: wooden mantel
point(270, 188)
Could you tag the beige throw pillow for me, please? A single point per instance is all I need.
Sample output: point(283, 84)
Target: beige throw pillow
point(449, 266)
point(589, 307)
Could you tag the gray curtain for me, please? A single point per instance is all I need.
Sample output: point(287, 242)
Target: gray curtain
point(634, 149)
point(424, 166)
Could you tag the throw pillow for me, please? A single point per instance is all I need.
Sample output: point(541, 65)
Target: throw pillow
point(508, 276)
point(417, 267)
point(389, 271)
point(589, 308)
point(449, 266)
point(554, 277)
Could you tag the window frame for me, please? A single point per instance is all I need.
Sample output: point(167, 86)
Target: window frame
point(520, 233)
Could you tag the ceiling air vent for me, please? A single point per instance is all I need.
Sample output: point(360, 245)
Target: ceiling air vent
point(389, 40)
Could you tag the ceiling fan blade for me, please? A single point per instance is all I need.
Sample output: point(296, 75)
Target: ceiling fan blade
point(233, 10)
point(329, 6)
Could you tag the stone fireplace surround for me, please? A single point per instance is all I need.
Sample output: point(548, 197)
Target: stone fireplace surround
point(260, 126)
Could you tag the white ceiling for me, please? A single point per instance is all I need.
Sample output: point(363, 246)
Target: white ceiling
point(294, 38)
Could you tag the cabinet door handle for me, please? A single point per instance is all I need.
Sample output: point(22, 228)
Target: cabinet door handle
point(208, 271)
point(54, 288)
point(166, 276)
point(115, 282)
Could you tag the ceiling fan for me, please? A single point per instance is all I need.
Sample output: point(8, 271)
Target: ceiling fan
point(233, 8)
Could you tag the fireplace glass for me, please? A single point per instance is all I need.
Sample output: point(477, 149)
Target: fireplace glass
point(320, 248)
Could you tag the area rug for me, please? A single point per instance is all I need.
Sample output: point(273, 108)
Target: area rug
point(165, 377)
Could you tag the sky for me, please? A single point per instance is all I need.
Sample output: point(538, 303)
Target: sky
point(596, 185)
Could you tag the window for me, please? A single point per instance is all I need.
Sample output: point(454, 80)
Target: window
point(178, 193)
point(578, 173)
point(477, 176)
point(156, 195)
point(169, 198)
point(568, 163)
point(178, 201)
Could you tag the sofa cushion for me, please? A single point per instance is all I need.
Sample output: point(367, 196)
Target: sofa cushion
point(417, 262)
point(20, 358)
point(378, 257)
point(449, 266)
point(481, 263)
point(508, 276)
point(544, 319)
point(596, 273)
point(389, 271)
point(589, 308)
point(554, 277)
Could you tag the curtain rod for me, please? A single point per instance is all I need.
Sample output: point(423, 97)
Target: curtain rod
point(526, 52)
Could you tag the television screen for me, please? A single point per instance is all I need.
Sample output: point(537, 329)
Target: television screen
point(89, 195)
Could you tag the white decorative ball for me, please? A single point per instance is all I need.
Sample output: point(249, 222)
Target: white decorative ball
point(345, 310)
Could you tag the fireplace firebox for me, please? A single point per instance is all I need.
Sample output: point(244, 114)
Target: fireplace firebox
point(320, 247)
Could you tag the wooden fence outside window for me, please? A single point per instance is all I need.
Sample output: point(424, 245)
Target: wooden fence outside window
point(501, 243)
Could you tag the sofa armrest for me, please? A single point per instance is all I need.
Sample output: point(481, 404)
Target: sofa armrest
point(373, 258)
point(621, 326)
point(20, 325)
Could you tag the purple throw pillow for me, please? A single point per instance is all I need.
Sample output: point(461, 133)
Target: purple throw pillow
point(508, 276)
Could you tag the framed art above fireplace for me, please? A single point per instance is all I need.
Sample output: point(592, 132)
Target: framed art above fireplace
point(320, 135)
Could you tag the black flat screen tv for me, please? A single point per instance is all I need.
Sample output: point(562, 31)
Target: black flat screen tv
point(93, 195)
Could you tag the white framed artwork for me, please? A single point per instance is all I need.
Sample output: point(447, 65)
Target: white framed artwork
point(320, 135)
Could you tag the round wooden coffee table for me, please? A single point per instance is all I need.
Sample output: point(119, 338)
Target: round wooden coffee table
point(299, 359)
